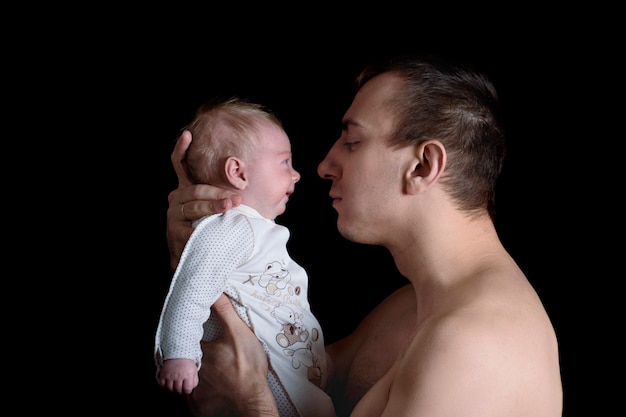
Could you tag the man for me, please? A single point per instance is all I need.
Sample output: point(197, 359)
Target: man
point(414, 171)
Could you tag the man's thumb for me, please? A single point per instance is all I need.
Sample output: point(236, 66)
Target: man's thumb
point(225, 312)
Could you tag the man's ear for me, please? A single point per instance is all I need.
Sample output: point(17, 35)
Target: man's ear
point(430, 161)
point(235, 170)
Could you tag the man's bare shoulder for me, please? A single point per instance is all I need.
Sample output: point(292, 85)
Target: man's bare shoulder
point(483, 356)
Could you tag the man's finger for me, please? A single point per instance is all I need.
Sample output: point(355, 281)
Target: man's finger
point(178, 157)
point(225, 312)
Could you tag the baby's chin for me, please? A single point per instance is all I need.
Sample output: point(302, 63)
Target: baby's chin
point(279, 210)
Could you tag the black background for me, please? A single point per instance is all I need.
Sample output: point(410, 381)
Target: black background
point(138, 83)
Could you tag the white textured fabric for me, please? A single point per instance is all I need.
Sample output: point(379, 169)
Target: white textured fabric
point(245, 255)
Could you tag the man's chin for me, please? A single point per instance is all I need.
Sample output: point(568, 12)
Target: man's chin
point(345, 232)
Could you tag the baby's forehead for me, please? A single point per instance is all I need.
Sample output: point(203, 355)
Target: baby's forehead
point(271, 131)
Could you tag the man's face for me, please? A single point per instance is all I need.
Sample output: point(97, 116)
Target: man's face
point(367, 175)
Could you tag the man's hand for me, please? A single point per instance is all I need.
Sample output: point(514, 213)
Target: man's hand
point(233, 375)
point(190, 202)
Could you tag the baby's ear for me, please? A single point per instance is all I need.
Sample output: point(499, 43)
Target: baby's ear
point(236, 174)
point(430, 157)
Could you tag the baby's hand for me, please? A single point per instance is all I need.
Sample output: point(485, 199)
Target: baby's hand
point(179, 375)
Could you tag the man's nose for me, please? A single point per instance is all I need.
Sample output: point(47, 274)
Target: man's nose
point(325, 168)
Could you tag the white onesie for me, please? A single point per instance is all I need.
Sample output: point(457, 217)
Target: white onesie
point(245, 255)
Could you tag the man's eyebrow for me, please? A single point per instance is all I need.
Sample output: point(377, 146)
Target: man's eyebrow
point(349, 122)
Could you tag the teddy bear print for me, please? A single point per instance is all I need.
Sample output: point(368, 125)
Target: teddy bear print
point(305, 357)
point(293, 330)
point(273, 279)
